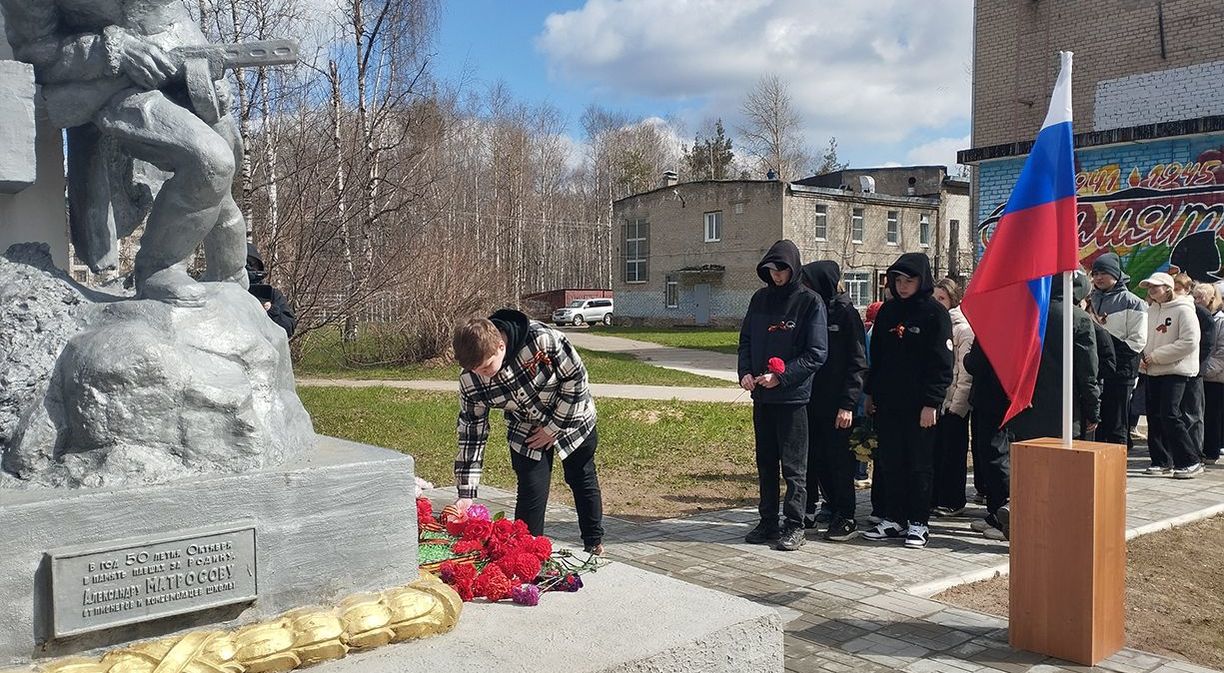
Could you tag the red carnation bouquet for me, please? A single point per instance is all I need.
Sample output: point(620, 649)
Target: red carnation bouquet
point(493, 557)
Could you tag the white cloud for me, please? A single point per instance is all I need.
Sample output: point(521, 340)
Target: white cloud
point(868, 73)
point(941, 151)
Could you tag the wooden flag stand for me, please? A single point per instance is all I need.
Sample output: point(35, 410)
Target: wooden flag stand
point(1068, 549)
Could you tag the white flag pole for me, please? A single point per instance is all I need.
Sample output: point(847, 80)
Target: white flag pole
point(1068, 309)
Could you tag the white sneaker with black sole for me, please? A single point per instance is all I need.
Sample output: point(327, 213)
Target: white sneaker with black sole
point(885, 530)
point(917, 535)
point(1188, 472)
point(1157, 469)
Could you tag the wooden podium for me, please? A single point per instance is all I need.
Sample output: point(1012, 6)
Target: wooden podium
point(1068, 549)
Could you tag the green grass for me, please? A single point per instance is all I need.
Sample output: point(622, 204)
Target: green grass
point(321, 357)
point(655, 458)
point(720, 340)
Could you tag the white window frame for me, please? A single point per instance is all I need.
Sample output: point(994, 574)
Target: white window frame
point(820, 223)
point(924, 230)
point(638, 263)
point(671, 291)
point(714, 234)
point(857, 229)
point(858, 287)
point(893, 231)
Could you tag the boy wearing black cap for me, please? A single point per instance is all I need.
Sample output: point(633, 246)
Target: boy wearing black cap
point(911, 369)
point(785, 323)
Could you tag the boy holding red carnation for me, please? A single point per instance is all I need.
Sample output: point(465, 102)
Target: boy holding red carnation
point(785, 328)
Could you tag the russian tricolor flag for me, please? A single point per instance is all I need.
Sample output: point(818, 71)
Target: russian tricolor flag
point(1008, 298)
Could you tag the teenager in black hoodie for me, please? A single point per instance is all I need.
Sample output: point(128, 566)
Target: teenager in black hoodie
point(836, 389)
point(911, 368)
point(787, 322)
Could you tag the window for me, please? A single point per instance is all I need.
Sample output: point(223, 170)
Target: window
point(637, 250)
point(856, 226)
point(713, 226)
point(858, 286)
point(924, 230)
point(820, 223)
point(600, 303)
point(671, 292)
point(894, 229)
point(739, 208)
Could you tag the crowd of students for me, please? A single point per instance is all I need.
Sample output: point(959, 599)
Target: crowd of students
point(913, 371)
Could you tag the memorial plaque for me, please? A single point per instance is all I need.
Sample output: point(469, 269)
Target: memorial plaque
point(142, 579)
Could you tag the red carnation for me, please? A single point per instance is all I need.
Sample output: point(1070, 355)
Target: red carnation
point(424, 509)
point(522, 566)
point(465, 590)
point(542, 548)
point(503, 529)
point(492, 584)
point(776, 365)
point(475, 529)
point(455, 526)
point(520, 528)
point(467, 546)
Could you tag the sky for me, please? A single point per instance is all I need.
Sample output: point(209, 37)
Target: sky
point(890, 79)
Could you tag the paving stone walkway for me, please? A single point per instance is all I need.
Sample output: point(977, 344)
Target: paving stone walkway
point(864, 606)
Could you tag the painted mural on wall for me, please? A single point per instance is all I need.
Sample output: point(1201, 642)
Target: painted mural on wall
point(1154, 211)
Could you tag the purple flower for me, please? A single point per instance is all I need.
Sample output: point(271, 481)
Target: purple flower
point(479, 513)
point(525, 594)
point(573, 582)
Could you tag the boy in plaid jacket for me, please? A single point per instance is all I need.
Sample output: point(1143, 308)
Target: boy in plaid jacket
point(535, 376)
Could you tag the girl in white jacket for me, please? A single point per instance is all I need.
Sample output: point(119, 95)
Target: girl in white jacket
point(952, 442)
point(1170, 359)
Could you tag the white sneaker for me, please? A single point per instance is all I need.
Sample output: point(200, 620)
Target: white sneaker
point(1188, 472)
point(979, 525)
point(873, 519)
point(885, 530)
point(1157, 469)
point(917, 535)
point(992, 533)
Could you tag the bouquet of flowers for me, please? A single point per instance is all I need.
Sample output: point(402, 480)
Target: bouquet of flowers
point(492, 557)
point(863, 440)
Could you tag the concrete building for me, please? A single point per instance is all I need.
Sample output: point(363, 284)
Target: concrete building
point(1148, 97)
point(687, 253)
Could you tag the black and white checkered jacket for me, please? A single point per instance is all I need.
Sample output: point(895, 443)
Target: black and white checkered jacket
point(543, 384)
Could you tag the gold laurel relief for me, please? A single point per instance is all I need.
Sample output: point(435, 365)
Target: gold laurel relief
point(301, 637)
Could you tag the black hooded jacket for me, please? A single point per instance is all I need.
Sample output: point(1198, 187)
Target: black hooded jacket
point(786, 322)
point(839, 383)
point(911, 343)
point(280, 312)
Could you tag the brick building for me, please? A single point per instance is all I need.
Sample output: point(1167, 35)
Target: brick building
point(1148, 96)
point(688, 252)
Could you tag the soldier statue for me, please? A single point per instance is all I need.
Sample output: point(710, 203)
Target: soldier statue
point(150, 141)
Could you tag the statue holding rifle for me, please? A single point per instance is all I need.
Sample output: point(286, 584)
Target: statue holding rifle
point(150, 140)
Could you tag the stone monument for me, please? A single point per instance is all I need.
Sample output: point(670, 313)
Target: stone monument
point(157, 469)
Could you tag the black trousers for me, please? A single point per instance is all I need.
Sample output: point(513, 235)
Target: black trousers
point(1193, 405)
point(1114, 427)
point(781, 432)
point(535, 477)
point(906, 465)
point(991, 457)
point(951, 466)
point(831, 464)
point(1213, 419)
point(1170, 443)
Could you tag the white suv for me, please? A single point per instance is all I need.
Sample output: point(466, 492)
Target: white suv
point(582, 311)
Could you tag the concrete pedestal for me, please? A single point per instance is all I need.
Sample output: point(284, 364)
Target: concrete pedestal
point(341, 519)
point(624, 620)
point(1068, 549)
